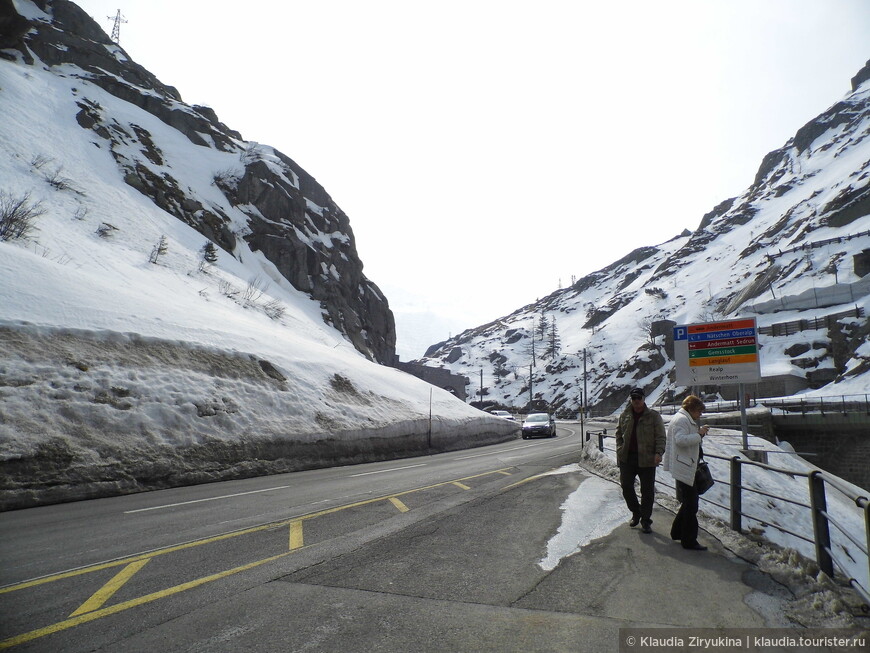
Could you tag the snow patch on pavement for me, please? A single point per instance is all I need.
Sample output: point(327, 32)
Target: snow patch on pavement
point(592, 511)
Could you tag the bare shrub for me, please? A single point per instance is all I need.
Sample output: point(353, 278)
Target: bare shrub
point(227, 289)
point(17, 215)
point(59, 182)
point(39, 161)
point(106, 230)
point(251, 153)
point(274, 309)
point(228, 177)
point(254, 290)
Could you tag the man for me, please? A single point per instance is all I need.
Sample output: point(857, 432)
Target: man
point(640, 443)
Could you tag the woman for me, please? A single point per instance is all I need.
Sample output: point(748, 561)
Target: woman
point(681, 459)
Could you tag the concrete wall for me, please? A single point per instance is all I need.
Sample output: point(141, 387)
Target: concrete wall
point(842, 442)
point(442, 378)
point(780, 385)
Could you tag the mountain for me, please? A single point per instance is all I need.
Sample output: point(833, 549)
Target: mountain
point(177, 304)
point(795, 246)
point(266, 199)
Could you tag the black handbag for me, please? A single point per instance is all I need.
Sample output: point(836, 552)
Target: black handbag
point(703, 478)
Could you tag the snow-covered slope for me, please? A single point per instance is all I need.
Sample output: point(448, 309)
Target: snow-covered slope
point(127, 360)
point(793, 246)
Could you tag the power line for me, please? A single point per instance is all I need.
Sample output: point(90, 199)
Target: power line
point(116, 28)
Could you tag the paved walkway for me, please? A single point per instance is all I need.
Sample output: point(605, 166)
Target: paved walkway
point(468, 579)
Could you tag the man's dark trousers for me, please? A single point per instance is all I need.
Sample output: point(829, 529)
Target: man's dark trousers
point(630, 470)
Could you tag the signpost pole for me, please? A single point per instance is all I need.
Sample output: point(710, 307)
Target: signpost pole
point(741, 395)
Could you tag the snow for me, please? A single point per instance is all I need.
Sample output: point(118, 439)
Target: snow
point(597, 507)
point(592, 511)
point(185, 338)
point(103, 351)
point(799, 593)
point(691, 279)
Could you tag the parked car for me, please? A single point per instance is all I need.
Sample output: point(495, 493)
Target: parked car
point(504, 414)
point(539, 425)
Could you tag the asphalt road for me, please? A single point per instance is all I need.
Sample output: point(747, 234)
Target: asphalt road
point(437, 553)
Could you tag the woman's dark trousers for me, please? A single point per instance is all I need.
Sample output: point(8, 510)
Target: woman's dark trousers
point(685, 526)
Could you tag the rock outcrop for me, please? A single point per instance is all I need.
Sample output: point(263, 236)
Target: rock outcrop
point(288, 216)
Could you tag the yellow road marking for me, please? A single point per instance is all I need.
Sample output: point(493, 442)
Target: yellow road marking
point(224, 536)
point(525, 480)
point(296, 539)
point(401, 506)
point(461, 486)
point(135, 563)
point(126, 605)
point(108, 590)
point(502, 471)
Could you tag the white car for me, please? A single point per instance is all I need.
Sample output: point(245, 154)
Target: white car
point(504, 414)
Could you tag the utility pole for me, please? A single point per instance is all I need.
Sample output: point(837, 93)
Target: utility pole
point(585, 396)
point(116, 28)
point(481, 389)
point(530, 390)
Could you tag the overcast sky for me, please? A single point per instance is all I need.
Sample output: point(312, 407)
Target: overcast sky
point(488, 150)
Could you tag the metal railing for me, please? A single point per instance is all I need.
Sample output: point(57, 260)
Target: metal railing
point(823, 405)
point(812, 324)
point(709, 407)
point(787, 405)
point(822, 520)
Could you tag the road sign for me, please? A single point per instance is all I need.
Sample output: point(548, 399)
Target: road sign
point(717, 353)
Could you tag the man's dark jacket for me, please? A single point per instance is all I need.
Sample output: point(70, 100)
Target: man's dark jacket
point(651, 438)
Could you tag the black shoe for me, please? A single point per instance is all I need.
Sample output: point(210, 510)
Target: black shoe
point(695, 547)
point(646, 529)
point(634, 521)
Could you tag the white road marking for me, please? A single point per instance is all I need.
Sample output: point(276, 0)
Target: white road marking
point(225, 496)
point(499, 452)
point(384, 471)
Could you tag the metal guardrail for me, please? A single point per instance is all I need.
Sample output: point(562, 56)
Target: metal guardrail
point(796, 326)
point(787, 405)
point(709, 407)
point(832, 404)
point(819, 243)
point(601, 435)
point(822, 520)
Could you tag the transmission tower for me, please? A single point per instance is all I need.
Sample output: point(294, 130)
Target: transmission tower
point(116, 28)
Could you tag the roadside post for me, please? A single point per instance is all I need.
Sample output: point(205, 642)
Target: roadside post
point(719, 353)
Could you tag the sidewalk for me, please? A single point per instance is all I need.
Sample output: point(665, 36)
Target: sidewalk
point(468, 579)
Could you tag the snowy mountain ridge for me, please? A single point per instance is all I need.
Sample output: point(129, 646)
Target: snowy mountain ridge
point(802, 227)
point(180, 305)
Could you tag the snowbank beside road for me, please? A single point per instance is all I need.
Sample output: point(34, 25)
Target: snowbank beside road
point(88, 414)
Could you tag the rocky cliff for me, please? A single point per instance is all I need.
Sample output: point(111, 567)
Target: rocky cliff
point(280, 209)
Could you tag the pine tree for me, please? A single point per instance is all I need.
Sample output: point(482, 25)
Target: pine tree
point(209, 252)
point(543, 326)
point(159, 249)
point(554, 342)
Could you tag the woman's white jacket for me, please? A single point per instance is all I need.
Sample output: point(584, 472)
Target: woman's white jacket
point(681, 454)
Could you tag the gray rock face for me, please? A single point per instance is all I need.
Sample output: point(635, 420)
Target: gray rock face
point(290, 217)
